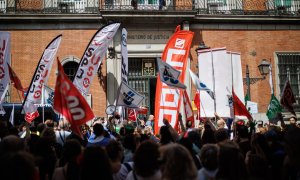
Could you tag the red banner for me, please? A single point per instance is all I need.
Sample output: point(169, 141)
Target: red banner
point(168, 99)
point(131, 114)
point(15, 79)
point(70, 103)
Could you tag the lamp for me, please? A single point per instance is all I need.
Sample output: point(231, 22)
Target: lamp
point(111, 52)
point(202, 46)
point(264, 69)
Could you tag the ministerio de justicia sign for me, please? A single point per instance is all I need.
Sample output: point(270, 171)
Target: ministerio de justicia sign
point(148, 37)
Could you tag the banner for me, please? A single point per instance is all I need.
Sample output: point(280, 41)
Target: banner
point(189, 115)
point(131, 114)
point(287, 98)
point(93, 56)
point(124, 56)
point(70, 103)
point(273, 108)
point(168, 99)
point(197, 103)
point(128, 97)
point(239, 108)
point(4, 59)
point(48, 95)
point(169, 75)
point(41, 75)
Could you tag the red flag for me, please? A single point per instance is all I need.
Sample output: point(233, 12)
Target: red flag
point(131, 114)
point(14, 78)
point(288, 98)
point(189, 115)
point(69, 102)
point(29, 117)
point(142, 110)
point(239, 108)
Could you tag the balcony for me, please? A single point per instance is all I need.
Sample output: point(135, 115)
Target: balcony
point(196, 7)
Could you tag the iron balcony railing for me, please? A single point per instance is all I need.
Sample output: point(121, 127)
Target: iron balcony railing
point(229, 7)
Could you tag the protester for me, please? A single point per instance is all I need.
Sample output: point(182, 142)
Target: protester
point(98, 137)
point(209, 159)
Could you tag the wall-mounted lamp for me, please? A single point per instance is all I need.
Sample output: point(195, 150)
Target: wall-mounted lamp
point(111, 52)
point(202, 46)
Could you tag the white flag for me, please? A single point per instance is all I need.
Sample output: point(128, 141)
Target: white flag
point(4, 60)
point(169, 75)
point(124, 56)
point(48, 95)
point(200, 85)
point(270, 79)
point(34, 93)
point(93, 56)
point(12, 116)
point(128, 97)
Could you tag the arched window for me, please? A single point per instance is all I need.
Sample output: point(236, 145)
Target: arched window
point(70, 65)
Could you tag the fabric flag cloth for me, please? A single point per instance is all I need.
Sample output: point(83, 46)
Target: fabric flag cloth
point(189, 115)
point(200, 85)
point(169, 75)
point(132, 114)
point(128, 97)
point(70, 103)
point(288, 98)
point(273, 108)
point(197, 103)
point(4, 59)
point(93, 56)
point(15, 79)
point(48, 95)
point(40, 78)
point(168, 99)
point(124, 56)
point(239, 108)
point(12, 116)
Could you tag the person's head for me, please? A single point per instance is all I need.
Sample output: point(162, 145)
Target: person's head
point(95, 164)
point(256, 166)
point(221, 123)
point(49, 135)
point(165, 135)
point(151, 117)
point(177, 163)
point(146, 157)
point(10, 144)
point(293, 120)
point(189, 124)
point(114, 151)
point(49, 123)
point(292, 145)
point(98, 129)
point(209, 156)
point(71, 150)
point(64, 125)
point(221, 134)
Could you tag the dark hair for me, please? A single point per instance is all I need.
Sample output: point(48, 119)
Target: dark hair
point(98, 129)
point(95, 164)
point(209, 156)
point(166, 136)
point(114, 150)
point(221, 135)
point(146, 159)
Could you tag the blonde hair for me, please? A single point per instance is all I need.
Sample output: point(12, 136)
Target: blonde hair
point(177, 163)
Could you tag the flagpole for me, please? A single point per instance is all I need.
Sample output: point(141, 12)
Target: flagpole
point(43, 93)
point(214, 85)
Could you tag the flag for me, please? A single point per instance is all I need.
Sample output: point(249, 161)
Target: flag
point(12, 116)
point(132, 114)
point(247, 99)
point(40, 78)
point(124, 56)
point(2, 111)
point(70, 103)
point(4, 59)
point(14, 78)
point(273, 108)
point(169, 75)
point(168, 99)
point(189, 115)
point(48, 95)
point(93, 56)
point(128, 97)
point(288, 98)
point(239, 108)
point(197, 103)
point(200, 85)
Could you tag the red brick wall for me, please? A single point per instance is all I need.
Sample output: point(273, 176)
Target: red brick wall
point(27, 48)
point(264, 43)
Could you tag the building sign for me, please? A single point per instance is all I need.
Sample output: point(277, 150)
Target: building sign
point(149, 37)
point(148, 67)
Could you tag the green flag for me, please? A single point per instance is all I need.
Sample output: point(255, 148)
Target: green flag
point(274, 107)
point(246, 99)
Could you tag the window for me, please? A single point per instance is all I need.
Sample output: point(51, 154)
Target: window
point(289, 68)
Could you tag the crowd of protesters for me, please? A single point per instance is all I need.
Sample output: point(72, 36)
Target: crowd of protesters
point(215, 150)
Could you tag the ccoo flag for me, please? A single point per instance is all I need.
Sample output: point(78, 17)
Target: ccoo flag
point(169, 75)
point(200, 85)
point(70, 103)
point(15, 79)
point(273, 108)
point(189, 115)
point(128, 97)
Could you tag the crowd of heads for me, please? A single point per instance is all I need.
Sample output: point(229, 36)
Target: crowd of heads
point(223, 149)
